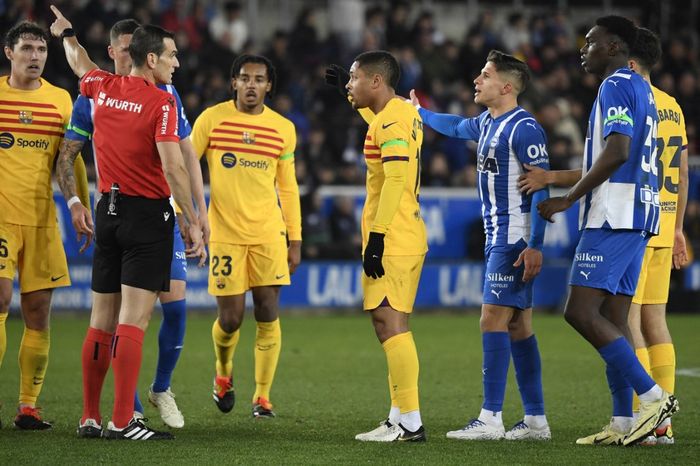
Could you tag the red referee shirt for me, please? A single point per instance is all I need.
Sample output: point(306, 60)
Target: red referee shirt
point(130, 116)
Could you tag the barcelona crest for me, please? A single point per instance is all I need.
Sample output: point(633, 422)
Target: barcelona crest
point(25, 116)
point(248, 137)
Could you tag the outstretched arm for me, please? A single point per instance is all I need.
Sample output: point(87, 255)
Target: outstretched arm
point(536, 178)
point(453, 126)
point(77, 57)
point(613, 155)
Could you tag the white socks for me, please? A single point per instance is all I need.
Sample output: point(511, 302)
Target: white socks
point(492, 418)
point(654, 394)
point(536, 422)
point(411, 420)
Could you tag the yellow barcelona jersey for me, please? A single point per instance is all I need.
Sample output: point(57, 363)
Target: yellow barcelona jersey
point(392, 152)
point(32, 124)
point(671, 141)
point(254, 193)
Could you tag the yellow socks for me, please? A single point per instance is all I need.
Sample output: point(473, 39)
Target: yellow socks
point(663, 365)
point(3, 336)
point(402, 358)
point(33, 359)
point(643, 356)
point(268, 343)
point(224, 347)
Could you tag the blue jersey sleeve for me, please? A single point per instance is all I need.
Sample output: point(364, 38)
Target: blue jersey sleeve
point(451, 125)
point(184, 129)
point(80, 126)
point(617, 104)
point(530, 144)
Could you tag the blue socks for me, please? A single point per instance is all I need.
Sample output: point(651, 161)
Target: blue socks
point(621, 392)
point(496, 346)
point(528, 372)
point(170, 340)
point(137, 403)
point(620, 357)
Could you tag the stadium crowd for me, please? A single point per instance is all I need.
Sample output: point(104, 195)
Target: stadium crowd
point(211, 34)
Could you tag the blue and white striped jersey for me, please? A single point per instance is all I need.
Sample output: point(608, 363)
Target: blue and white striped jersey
point(630, 198)
point(504, 145)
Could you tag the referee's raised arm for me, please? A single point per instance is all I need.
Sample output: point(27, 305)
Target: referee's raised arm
point(76, 55)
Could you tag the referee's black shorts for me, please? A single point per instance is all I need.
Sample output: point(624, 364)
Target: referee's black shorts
point(134, 247)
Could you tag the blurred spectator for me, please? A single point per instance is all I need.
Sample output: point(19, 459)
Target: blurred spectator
point(398, 32)
point(228, 28)
point(345, 232)
point(315, 227)
point(304, 38)
point(438, 172)
point(516, 34)
point(190, 22)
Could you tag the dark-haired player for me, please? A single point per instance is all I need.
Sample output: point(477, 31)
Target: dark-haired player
point(34, 116)
point(393, 232)
point(647, 319)
point(140, 164)
point(508, 136)
point(253, 212)
point(172, 330)
point(619, 211)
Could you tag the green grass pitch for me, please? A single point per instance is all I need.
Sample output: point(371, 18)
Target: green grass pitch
point(331, 384)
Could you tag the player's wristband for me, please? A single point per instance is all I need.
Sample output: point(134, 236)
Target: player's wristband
point(72, 201)
point(67, 32)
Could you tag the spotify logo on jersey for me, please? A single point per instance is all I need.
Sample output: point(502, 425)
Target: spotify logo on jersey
point(7, 140)
point(228, 160)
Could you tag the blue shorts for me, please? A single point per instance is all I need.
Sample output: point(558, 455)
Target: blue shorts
point(178, 266)
point(609, 260)
point(503, 283)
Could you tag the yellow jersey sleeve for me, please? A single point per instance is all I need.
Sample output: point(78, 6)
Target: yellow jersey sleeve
point(392, 138)
point(81, 181)
point(287, 187)
point(200, 132)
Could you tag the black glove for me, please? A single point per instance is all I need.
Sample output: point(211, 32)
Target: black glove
point(337, 77)
point(372, 260)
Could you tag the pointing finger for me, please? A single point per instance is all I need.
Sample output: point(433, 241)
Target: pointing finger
point(56, 12)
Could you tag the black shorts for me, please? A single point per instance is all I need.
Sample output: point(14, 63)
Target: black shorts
point(134, 247)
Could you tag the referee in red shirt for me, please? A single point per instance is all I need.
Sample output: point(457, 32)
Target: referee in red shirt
point(139, 162)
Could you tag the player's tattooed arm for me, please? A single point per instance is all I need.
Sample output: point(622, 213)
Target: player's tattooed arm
point(80, 215)
point(67, 154)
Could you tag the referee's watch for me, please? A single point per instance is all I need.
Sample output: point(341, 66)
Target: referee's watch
point(67, 32)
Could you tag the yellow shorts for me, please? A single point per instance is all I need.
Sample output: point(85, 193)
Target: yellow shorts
point(654, 277)
point(236, 268)
point(398, 285)
point(36, 253)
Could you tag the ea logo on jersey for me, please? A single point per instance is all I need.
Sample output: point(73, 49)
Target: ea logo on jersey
point(229, 160)
point(535, 151)
point(7, 140)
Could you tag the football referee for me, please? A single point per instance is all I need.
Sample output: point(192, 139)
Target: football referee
point(140, 164)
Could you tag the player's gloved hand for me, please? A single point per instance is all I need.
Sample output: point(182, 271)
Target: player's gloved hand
point(372, 260)
point(337, 77)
